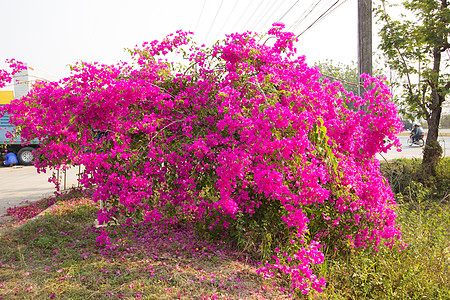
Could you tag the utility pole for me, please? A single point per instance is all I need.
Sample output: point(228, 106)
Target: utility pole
point(364, 40)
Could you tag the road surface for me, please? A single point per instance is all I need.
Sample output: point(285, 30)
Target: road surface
point(22, 184)
point(413, 151)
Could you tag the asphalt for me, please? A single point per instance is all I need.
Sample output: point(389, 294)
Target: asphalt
point(21, 185)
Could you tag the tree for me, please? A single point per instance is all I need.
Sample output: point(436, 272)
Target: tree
point(414, 48)
point(346, 74)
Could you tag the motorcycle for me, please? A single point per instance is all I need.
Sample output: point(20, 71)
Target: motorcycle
point(419, 141)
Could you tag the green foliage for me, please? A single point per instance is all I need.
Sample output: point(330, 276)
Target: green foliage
point(346, 74)
point(410, 45)
point(414, 47)
point(420, 271)
point(55, 256)
point(407, 181)
point(445, 122)
point(400, 173)
point(258, 233)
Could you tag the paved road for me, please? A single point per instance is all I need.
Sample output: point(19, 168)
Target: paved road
point(22, 184)
point(414, 151)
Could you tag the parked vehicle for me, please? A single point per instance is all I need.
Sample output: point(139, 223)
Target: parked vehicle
point(24, 152)
point(407, 125)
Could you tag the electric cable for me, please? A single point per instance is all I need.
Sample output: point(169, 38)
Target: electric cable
point(288, 11)
point(199, 17)
point(319, 18)
point(212, 25)
point(259, 18)
point(245, 11)
point(340, 4)
point(305, 15)
point(248, 20)
point(226, 21)
point(275, 10)
point(263, 19)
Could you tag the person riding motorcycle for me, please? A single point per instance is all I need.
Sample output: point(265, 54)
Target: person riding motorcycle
point(417, 132)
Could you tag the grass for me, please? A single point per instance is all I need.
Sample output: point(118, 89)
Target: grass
point(420, 271)
point(58, 255)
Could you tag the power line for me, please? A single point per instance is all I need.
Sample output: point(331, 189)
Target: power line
point(321, 17)
point(199, 17)
point(217, 13)
point(28, 81)
point(341, 80)
point(270, 8)
point(332, 10)
point(29, 75)
point(288, 11)
point(245, 11)
point(275, 10)
point(248, 20)
point(305, 15)
point(226, 21)
point(259, 18)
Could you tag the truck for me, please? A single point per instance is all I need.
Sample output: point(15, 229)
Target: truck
point(24, 152)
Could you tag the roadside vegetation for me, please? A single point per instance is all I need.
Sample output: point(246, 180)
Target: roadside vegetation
point(239, 174)
point(242, 143)
point(57, 256)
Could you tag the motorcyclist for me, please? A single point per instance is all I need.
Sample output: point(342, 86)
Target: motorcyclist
point(417, 132)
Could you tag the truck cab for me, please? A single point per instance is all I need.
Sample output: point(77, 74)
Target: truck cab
point(24, 152)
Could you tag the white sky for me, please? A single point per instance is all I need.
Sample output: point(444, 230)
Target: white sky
point(50, 34)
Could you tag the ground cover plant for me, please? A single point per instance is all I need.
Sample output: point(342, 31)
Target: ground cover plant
point(241, 143)
point(56, 256)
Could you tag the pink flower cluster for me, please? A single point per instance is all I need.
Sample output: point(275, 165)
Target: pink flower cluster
point(242, 124)
point(16, 66)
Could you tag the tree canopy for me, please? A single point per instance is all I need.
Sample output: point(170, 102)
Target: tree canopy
point(416, 46)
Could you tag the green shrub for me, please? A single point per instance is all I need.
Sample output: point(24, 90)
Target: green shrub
point(420, 271)
point(406, 181)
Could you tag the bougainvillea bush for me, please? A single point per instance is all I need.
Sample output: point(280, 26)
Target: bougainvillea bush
point(239, 139)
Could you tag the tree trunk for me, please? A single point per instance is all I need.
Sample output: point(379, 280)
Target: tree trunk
point(433, 151)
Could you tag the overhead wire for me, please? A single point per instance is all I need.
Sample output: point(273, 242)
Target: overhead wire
point(288, 10)
point(199, 17)
point(248, 20)
point(215, 17)
point(259, 17)
point(321, 17)
point(245, 11)
point(340, 4)
point(226, 21)
point(27, 81)
point(263, 19)
point(305, 15)
point(275, 11)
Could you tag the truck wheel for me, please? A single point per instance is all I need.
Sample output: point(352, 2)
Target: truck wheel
point(25, 156)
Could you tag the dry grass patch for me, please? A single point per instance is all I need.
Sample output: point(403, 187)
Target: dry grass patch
point(57, 256)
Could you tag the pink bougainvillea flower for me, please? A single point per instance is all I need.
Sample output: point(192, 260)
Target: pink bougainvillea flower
point(245, 128)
